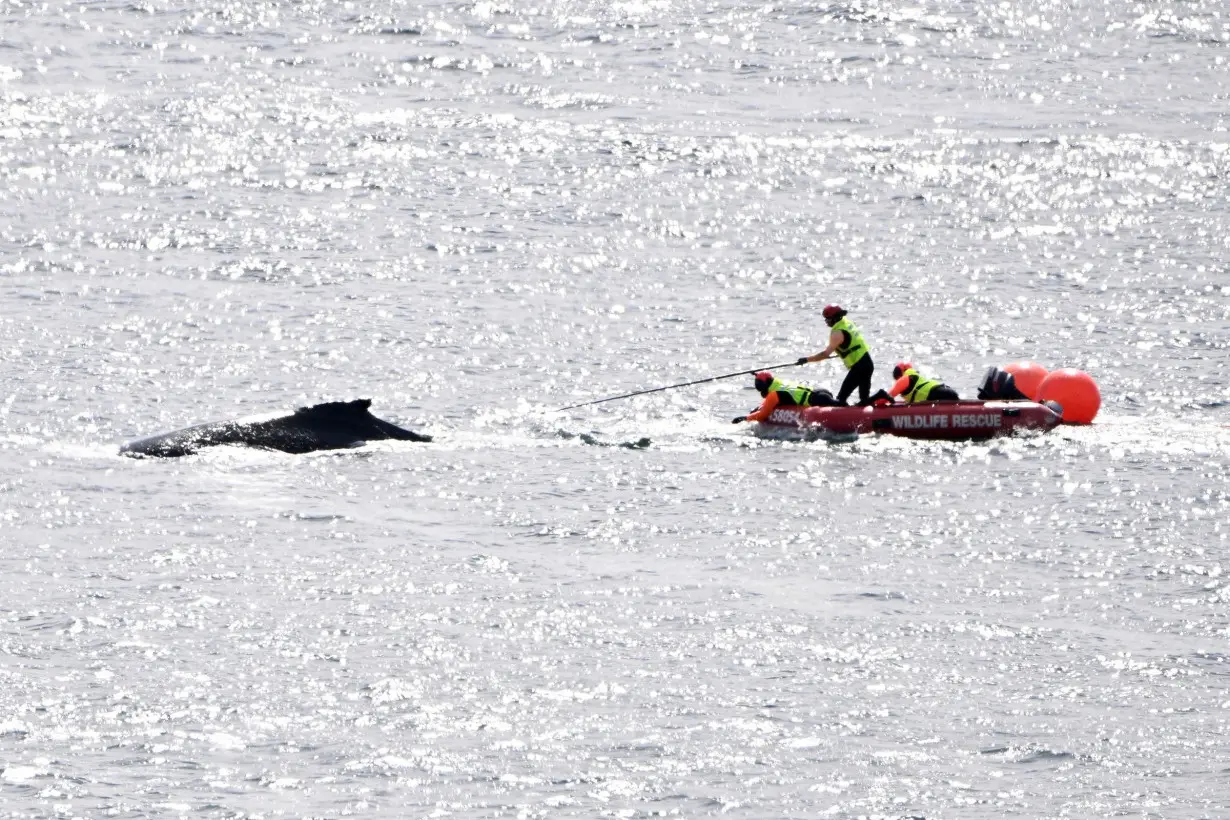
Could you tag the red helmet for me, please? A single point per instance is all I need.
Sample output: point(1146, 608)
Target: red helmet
point(763, 379)
point(834, 312)
point(900, 368)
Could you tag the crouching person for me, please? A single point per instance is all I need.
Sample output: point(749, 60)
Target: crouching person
point(777, 394)
point(912, 387)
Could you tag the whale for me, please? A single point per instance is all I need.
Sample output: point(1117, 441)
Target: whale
point(332, 425)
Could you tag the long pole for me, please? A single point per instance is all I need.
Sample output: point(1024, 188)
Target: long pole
point(682, 384)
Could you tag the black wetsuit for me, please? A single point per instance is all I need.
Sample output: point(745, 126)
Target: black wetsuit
point(859, 376)
point(942, 392)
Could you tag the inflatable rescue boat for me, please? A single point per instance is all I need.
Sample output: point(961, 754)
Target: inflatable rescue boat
point(963, 420)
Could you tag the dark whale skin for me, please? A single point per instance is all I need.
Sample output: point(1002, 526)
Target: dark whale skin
point(329, 426)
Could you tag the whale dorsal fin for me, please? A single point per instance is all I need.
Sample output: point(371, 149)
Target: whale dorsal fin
point(333, 408)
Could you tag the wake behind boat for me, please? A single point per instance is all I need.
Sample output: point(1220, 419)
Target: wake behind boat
point(963, 420)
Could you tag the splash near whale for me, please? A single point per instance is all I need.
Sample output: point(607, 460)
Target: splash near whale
point(329, 426)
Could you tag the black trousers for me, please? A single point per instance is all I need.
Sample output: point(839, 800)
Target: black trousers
point(821, 398)
point(943, 393)
point(859, 377)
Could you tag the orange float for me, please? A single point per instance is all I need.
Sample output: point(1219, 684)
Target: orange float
point(1028, 376)
point(1075, 391)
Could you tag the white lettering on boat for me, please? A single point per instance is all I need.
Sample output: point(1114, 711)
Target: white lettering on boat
point(977, 420)
point(919, 422)
point(947, 421)
point(784, 417)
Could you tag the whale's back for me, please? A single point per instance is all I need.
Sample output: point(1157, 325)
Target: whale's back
point(327, 426)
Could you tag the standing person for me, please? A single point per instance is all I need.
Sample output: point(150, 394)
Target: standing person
point(846, 342)
point(777, 393)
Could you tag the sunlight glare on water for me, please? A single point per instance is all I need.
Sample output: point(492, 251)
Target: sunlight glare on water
point(476, 214)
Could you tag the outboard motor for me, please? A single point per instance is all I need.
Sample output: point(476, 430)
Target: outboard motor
point(999, 385)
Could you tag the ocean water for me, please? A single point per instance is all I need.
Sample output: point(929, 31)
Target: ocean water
point(477, 213)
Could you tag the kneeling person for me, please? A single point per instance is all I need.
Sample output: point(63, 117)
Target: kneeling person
point(913, 388)
point(783, 394)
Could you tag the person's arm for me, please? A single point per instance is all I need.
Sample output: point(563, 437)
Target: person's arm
point(900, 386)
point(766, 408)
point(835, 340)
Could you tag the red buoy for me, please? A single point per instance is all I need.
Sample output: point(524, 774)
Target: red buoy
point(1027, 375)
point(1075, 391)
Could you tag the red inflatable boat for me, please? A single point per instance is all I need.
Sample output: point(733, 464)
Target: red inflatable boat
point(942, 420)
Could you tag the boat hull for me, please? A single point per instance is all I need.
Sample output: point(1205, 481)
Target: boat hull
point(934, 420)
